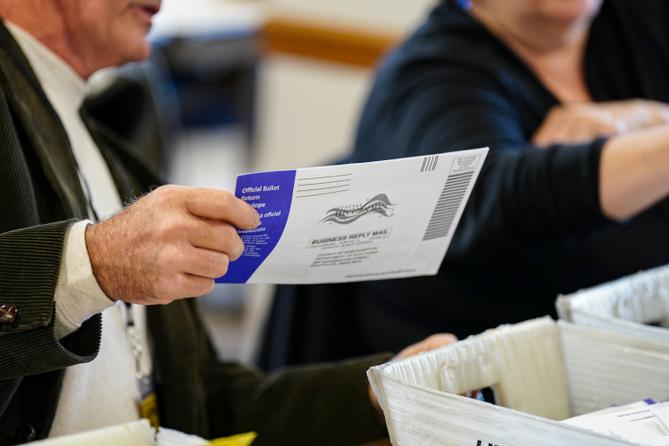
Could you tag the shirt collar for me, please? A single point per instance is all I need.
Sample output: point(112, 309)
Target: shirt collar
point(54, 74)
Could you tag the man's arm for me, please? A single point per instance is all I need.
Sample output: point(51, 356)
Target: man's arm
point(197, 393)
point(170, 244)
point(29, 264)
point(307, 405)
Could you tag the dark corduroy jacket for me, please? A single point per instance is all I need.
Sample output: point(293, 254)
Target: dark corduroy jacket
point(40, 197)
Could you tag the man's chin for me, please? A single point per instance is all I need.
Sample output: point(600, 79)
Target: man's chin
point(132, 45)
point(143, 53)
point(138, 52)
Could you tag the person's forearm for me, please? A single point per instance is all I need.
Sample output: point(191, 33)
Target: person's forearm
point(323, 403)
point(29, 262)
point(634, 172)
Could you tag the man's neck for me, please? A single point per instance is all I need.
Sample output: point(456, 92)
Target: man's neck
point(52, 32)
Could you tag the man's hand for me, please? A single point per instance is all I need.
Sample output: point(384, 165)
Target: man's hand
point(170, 244)
point(576, 123)
point(430, 343)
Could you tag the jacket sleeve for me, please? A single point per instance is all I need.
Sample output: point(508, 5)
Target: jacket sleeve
point(319, 404)
point(199, 394)
point(29, 264)
point(524, 193)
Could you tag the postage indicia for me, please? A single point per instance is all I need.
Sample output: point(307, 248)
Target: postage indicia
point(354, 222)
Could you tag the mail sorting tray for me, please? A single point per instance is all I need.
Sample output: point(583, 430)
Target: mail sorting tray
point(540, 371)
point(636, 305)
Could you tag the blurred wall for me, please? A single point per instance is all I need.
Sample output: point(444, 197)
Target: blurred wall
point(307, 109)
point(397, 14)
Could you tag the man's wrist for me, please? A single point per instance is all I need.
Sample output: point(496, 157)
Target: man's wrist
point(92, 242)
point(78, 295)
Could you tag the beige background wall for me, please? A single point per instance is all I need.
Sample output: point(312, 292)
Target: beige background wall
point(399, 14)
point(308, 109)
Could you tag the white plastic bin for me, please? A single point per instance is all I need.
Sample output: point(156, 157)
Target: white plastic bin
point(541, 372)
point(624, 305)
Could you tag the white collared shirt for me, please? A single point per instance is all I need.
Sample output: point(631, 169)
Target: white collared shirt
point(103, 392)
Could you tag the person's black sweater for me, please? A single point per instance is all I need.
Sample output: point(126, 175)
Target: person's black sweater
point(533, 227)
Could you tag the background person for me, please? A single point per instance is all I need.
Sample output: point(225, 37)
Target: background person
point(570, 96)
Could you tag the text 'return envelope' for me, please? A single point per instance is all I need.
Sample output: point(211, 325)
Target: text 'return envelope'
point(354, 222)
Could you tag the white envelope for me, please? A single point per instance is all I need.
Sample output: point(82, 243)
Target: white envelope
point(354, 222)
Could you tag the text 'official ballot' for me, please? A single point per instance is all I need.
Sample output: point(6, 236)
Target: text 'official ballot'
point(354, 222)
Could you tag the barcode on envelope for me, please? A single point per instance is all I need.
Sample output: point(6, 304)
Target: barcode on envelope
point(447, 206)
point(429, 163)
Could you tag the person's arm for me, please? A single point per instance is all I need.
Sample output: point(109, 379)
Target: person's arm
point(302, 405)
point(170, 244)
point(524, 194)
point(305, 405)
point(30, 259)
point(634, 172)
point(583, 122)
point(29, 264)
point(320, 404)
point(197, 393)
point(633, 167)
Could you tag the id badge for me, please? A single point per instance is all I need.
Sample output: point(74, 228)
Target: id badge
point(148, 403)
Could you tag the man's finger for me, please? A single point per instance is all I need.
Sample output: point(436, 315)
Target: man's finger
point(217, 236)
point(221, 205)
point(197, 286)
point(205, 263)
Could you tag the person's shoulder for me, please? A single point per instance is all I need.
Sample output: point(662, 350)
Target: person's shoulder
point(446, 31)
point(449, 43)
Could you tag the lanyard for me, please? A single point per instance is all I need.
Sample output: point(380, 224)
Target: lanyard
point(147, 403)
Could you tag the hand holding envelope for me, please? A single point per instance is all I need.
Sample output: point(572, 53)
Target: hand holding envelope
point(169, 244)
